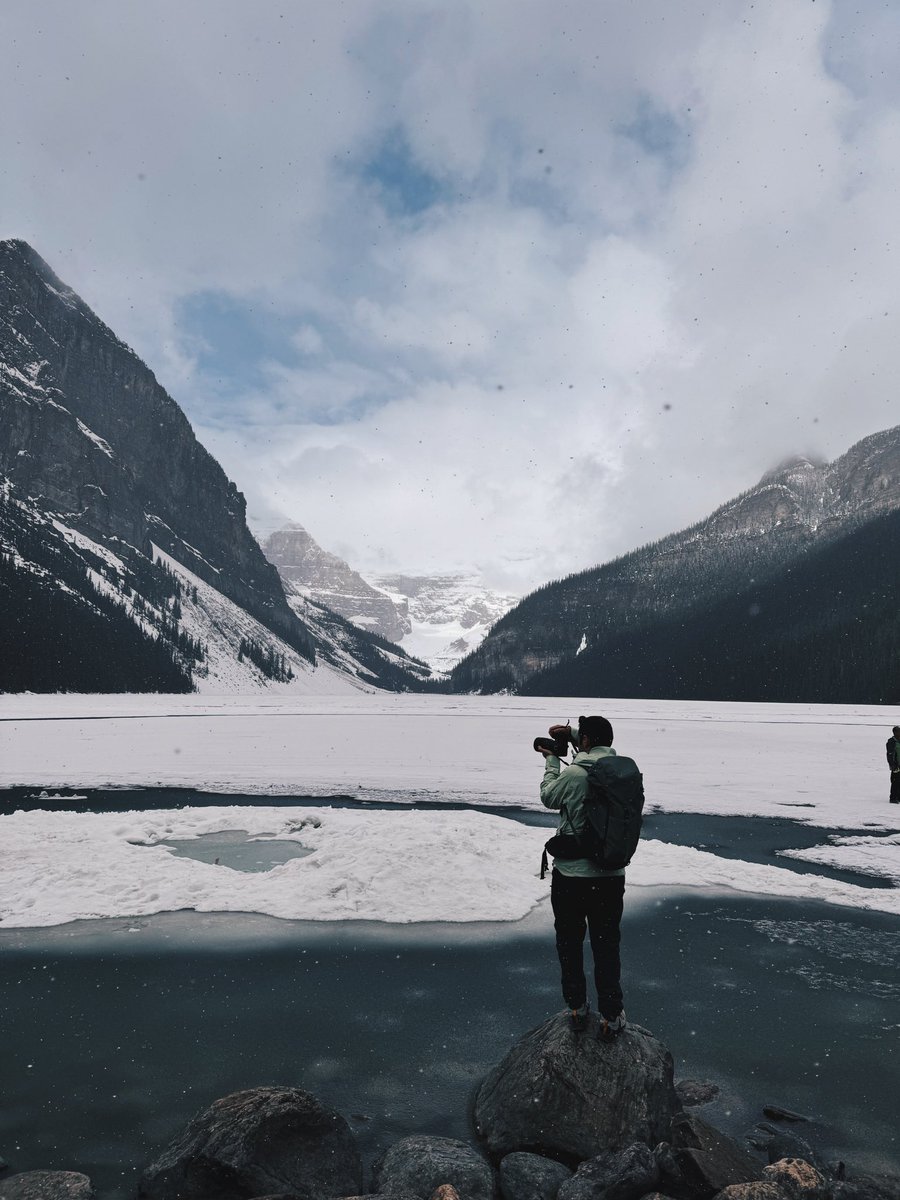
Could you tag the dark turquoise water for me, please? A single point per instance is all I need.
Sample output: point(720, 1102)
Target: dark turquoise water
point(115, 1033)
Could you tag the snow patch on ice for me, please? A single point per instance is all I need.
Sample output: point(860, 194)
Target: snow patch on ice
point(381, 866)
point(877, 855)
point(394, 866)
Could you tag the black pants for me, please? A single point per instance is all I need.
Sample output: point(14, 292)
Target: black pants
point(895, 788)
point(595, 904)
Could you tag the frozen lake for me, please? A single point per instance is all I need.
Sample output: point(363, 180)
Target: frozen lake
point(398, 838)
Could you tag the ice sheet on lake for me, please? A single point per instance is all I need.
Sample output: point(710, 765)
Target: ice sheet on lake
point(389, 866)
point(877, 855)
point(394, 866)
point(819, 764)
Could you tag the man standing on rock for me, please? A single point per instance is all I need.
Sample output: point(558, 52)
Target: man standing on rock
point(583, 895)
point(893, 757)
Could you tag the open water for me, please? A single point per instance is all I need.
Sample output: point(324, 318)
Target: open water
point(116, 1032)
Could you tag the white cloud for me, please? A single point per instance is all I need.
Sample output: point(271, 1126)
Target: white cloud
point(637, 208)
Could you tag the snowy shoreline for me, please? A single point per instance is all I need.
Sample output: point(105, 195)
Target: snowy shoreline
point(822, 766)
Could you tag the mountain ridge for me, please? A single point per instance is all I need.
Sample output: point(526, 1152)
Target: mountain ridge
point(434, 618)
point(103, 476)
point(799, 504)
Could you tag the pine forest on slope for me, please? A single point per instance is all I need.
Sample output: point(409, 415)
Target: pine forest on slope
point(786, 593)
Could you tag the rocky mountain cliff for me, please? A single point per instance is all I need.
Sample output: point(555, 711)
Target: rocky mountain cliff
point(437, 618)
point(329, 580)
point(558, 639)
point(86, 431)
point(107, 493)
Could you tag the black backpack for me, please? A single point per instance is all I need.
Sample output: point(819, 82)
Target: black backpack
point(613, 813)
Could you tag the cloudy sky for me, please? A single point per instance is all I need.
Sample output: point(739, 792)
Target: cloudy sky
point(510, 285)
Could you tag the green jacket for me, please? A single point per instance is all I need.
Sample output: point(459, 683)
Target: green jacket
point(566, 792)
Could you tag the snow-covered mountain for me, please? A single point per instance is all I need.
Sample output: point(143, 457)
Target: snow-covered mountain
point(449, 615)
point(435, 618)
point(125, 559)
point(327, 579)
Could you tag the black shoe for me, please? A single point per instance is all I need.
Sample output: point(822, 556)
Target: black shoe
point(611, 1027)
point(579, 1018)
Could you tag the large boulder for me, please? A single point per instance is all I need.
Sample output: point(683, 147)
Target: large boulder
point(616, 1175)
point(525, 1176)
point(261, 1142)
point(708, 1161)
point(421, 1163)
point(46, 1185)
point(572, 1096)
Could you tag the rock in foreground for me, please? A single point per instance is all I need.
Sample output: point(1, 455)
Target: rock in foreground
point(709, 1161)
point(525, 1176)
point(261, 1142)
point(47, 1185)
point(572, 1096)
point(420, 1164)
point(615, 1175)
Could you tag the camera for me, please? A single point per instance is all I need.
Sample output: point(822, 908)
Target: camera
point(558, 744)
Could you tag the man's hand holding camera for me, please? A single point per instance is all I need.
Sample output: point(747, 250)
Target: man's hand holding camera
point(561, 737)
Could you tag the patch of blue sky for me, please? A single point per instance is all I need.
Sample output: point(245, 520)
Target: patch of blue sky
point(546, 193)
point(404, 187)
point(232, 339)
point(236, 345)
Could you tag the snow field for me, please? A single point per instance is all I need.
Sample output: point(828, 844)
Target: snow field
point(397, 866)
point(393, 866)
point(820, 765)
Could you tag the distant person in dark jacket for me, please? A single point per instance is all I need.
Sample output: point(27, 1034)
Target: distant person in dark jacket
point(893, 757)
